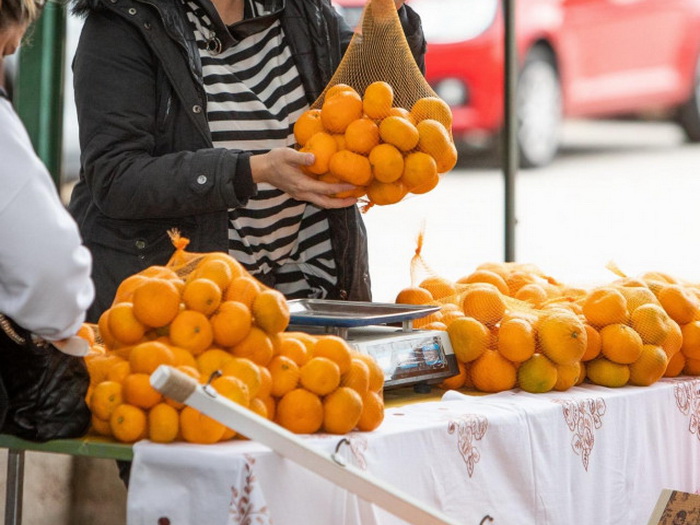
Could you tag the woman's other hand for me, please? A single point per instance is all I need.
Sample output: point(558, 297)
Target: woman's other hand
point(281, 167)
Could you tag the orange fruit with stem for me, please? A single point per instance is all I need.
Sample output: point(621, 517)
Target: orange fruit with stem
point(399, 132)
point(271, 312)
point(231, 323)
point(342, 410)
point(340, 109)
point(139, 392)
point(377, 100)
point(320, 375)
point(163, 423)
point(323, 146)
point(191, 330)
point(307, 125)
point(156, 302)
point(202, 295)
point(361, 136)
point(419, 169)
point(300, 411)
point(215, 269)
point(196, 427)
point(562, 337)
point(432, 108)
point(334, 348)
point(128, 423)
point(123, 324)
point(106, 396)
point(387, 163)
point(351, 167)
point(256, 346)
point(211, 360)
point(145, 357)
point(372, 413)
point(285, 375)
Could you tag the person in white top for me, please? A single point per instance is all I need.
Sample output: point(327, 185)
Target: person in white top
point(45, 284)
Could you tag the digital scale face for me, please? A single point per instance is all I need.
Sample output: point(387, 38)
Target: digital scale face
point(407, 356)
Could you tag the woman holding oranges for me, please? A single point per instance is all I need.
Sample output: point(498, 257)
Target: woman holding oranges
point(186, 112)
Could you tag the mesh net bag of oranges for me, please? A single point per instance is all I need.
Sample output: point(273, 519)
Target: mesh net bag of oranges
point(207, 316)
point(378, 124)
point(511, 326)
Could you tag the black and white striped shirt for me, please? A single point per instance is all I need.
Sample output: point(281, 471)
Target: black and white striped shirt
point(254, 96)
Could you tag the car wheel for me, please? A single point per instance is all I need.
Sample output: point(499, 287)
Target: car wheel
point(689, 113)
point(539, 109)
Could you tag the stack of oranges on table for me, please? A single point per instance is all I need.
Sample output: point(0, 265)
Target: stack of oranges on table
point(386, 151)
point(219, 318)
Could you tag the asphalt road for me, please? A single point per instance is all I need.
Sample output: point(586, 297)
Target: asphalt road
point(621, 191)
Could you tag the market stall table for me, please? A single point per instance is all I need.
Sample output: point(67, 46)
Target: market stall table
point(590, 455)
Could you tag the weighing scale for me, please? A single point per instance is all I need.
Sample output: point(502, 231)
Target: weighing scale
point(408, 356)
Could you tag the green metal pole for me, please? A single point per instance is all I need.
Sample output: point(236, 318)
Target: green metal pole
point(38, 95)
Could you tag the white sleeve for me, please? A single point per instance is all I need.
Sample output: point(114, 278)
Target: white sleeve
point(45, 284)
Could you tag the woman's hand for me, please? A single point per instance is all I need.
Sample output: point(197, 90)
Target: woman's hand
point(281, 167)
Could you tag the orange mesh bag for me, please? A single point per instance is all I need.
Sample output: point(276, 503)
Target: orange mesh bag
point(378, 124)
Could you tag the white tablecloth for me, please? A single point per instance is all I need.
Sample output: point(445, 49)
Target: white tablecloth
point(587, 456)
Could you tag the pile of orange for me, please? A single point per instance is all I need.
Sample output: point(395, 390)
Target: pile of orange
point(219, 324)
point(384, 150)
point(512, 326)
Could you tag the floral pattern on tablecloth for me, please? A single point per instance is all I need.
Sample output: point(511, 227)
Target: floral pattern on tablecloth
point(688, 402)
point(583, 417)
point(468, 428)
point(248, 506)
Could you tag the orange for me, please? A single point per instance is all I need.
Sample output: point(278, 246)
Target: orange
point(106, 396)
point(247, 372)
point(231, 323)
point(340, 109)
point(387, 163)
point(604, 372)
point(196, 427)
point(123, 324)
point(426, 186)
point(517, 279)
point(87, 332)
point(337, 88)
point(341, 410)
point(456, 381)
point(484, 303)
point(469, 337)
point(300, 411)
point(377, 100)
point(334, 348)
point(182, 357)
point(202, 295)
point(118, 371)
point(357, 192)
point(376, 374)
point(295, 349)
point(307, 125)
point(620, 343)
point(516, 340)
point(403, 113)
point(265, 383)
point(98, 366)
point(448, 317)
point(258, 406)
point(125, 290)
point(234, 390)
point(679, 302)
point(419, 170)
point(637, 296)
point(243, 289)
point(285, 375)
point(674, 340)
point(675, 365)
point(439, 287)
point(139, 392)
point(432, 108)
point(100, 426)
point(256, 346)
point(568, 376)
point(651, 322)
point(323, 146)
point(270, 311)
point(486, 276)
point(592, 343)
point(399, 132)
point(351, 167)
point(691, 340)
point(211, 360)
point(309, 340)
point(562, 337)
point(372, 412)
point(357, 377)
point(163, 423)
point(537, 375)
point(533, 293)
point(422, 322)
point(146, 357)
point(361, 136)
point(320, 376)
point(191, 330)
point(434, 140)
point(604, 306)
point(492, 372)
point(156, 302)
point(691, 367)
point(128, 423)
point(385, 193)
point(650, 367)
point(215, 268)
point(160, 272)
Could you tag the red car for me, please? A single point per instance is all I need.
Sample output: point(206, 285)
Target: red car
point(577, 58)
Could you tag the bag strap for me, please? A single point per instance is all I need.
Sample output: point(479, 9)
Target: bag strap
point(8, 326)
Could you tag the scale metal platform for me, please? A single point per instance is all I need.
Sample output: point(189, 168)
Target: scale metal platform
point(408, 356)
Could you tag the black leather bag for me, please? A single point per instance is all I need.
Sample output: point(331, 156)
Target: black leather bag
point(44, 388)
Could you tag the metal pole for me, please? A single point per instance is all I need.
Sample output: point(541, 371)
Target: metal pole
point(510, 157)
point(39, 91)
point(14, 488)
